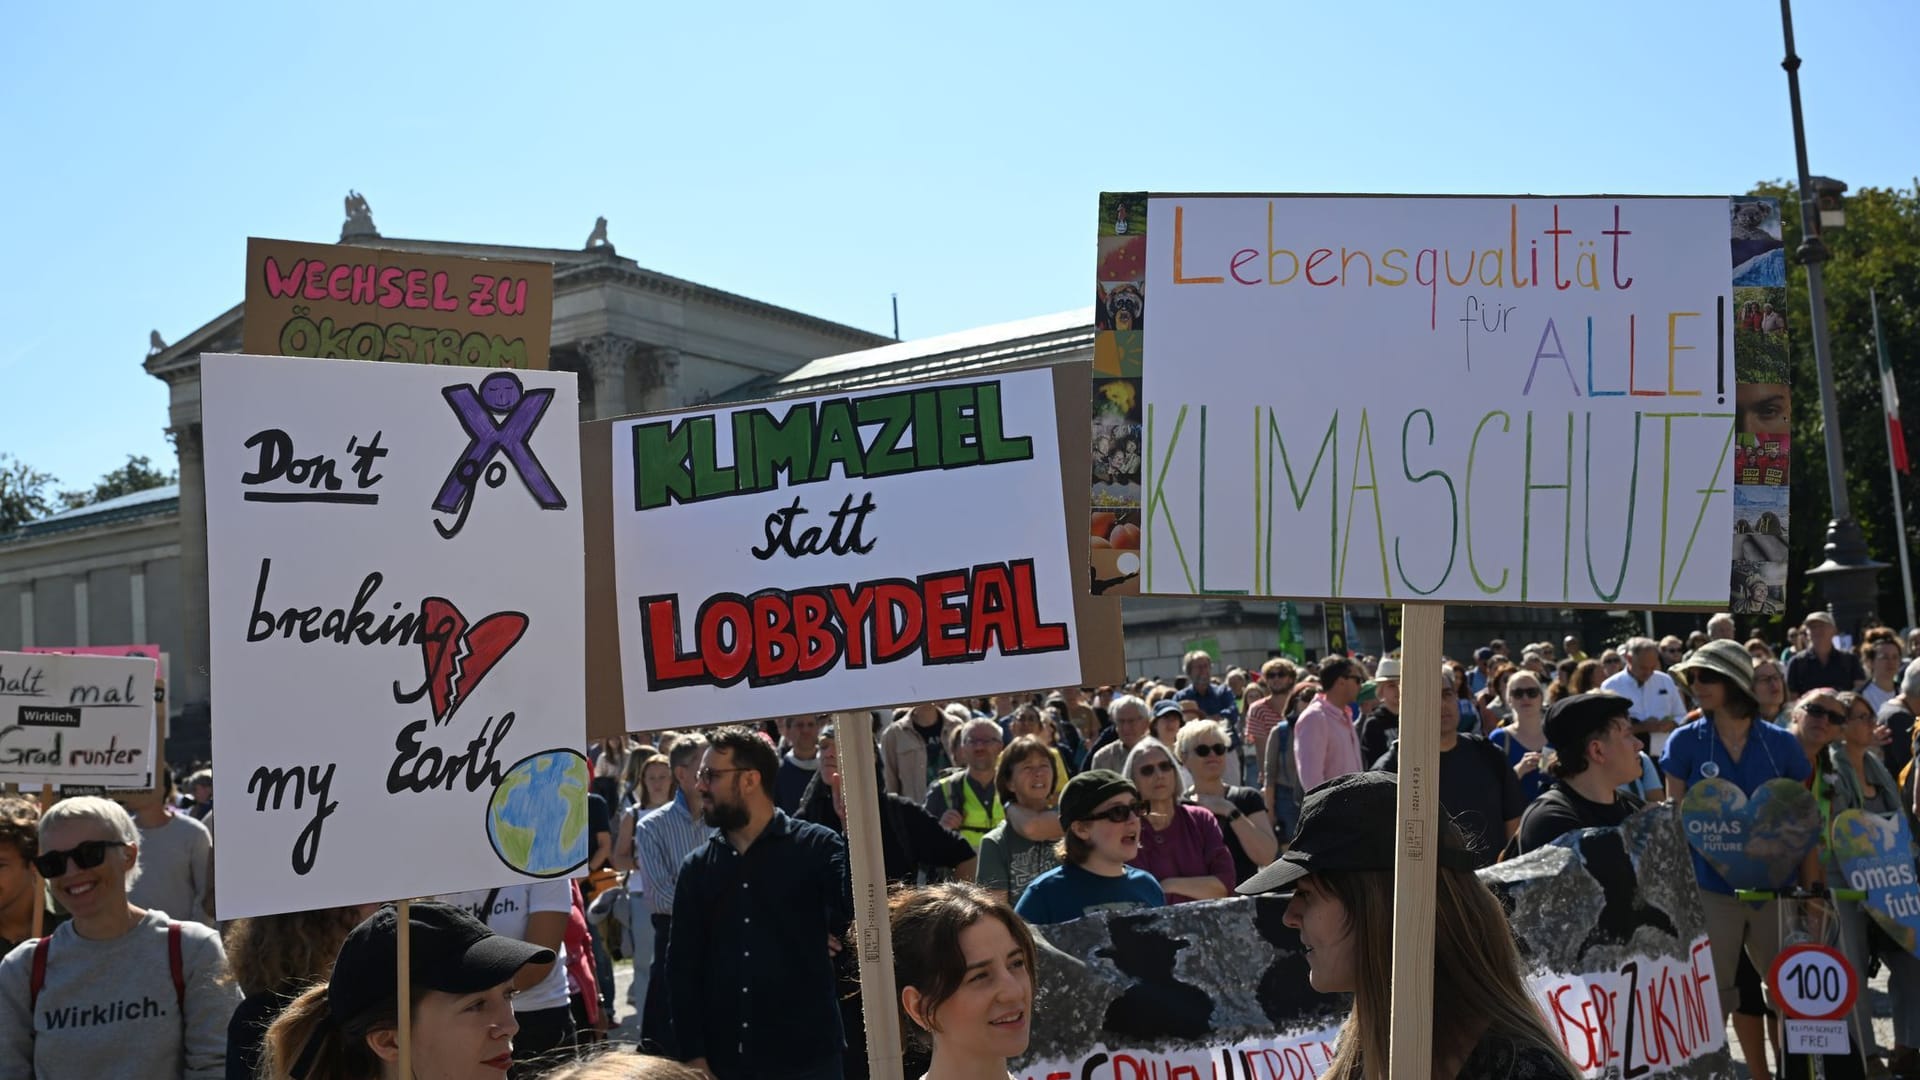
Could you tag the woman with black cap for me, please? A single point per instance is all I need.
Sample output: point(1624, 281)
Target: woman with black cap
point(462, 1003)
point(1486, 1021)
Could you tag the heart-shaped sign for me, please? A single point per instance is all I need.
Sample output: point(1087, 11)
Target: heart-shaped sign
point(1875, 853)
point(458, 656)
point(1757, 841)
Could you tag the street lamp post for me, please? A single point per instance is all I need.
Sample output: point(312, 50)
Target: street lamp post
point(1849, 577)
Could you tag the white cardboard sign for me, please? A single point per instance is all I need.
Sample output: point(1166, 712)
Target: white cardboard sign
point(804, 555)
point(396, 568)
point(75, 719)
point(1470, 400)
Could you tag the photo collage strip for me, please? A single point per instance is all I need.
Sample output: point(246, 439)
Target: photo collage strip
point(1119, 447)
point(1763, 408)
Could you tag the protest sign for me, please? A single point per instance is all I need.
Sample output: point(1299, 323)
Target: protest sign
point(1875, 853)
point(396, 556)
point(1220, 988)
point(156, 733)
point(347, 302)
point(804, 555)
point(1477, 399)
point(1757, 841)
point(76, 719)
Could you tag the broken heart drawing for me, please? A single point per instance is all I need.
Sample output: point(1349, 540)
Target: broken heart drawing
point(457, 654)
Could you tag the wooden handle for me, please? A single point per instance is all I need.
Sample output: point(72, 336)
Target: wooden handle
point(872, 931)
point(403, 946)
point(1415, 860)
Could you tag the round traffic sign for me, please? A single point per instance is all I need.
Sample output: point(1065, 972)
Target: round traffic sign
point(1813, 982)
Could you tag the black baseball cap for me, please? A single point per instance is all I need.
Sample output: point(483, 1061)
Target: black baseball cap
point(452, 952)
point(1349, 823)
point(1573, 720)
point(1085, 792)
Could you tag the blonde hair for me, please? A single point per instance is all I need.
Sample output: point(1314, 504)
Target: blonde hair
point(1193, 731)
point(106, 813)
point(623, 1064)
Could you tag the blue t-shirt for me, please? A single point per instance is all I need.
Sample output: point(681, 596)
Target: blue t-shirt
point(1771, 753)
point(1068, 892)
point(1534, 783)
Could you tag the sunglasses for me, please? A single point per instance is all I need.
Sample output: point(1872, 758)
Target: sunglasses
point(1210, 749)
point(52, 864)
point(1120, 815)
point(1832, 716)
point(1524, 692)
point(1155, 768)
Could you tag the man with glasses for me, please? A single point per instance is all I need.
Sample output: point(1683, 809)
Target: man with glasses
point(1131, 721)
point(760, 910)
point(1654, 697)
point(661, 840)
point(1478, 789)
point(967, 801)
point(1278, 676)
point(1325, 744)
point(1379, 727)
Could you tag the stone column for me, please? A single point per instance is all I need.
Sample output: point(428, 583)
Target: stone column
point(661, 387)
point(607, 358)
point(190, 677)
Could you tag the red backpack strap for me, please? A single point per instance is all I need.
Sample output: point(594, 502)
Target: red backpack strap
point(176, 967)
point(38, 978)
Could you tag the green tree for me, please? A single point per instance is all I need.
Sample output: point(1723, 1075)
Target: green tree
point(138, 474)
point(1879, 249)
point(23, 493)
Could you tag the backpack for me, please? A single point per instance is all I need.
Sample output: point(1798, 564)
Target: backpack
point(175, 967)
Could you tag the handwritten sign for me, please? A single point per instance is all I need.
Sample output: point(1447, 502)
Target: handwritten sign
point(811, 554)
point(154, 737)
point(1472, 400)
point(76, 719)
point(360, 303)
point(1753, 842)
point(396, 580)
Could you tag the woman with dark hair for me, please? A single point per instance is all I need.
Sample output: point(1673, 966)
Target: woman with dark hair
point(1486, 1021)
point(348, 1028)
point(1853, 777)
point(963, 965)
point(1729, 743)
point(21, 890)
point(1008, 860)
point(273, 958)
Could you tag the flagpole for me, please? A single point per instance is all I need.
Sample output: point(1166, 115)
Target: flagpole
point(1893, 469)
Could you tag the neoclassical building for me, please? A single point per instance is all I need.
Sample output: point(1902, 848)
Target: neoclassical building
point(136, 569)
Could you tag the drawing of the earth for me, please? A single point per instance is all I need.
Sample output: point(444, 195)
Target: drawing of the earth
point(537, 818)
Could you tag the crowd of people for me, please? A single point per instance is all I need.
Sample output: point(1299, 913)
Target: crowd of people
point(719, 867)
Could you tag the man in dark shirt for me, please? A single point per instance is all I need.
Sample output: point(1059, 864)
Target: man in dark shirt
point(1379, 727)
point(758, 913)
point(1822, 665)
point(1478, 789)
point(1898, 715)
point(1595, 752)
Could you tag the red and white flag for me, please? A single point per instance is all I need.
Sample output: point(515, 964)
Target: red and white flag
point(1889, 395)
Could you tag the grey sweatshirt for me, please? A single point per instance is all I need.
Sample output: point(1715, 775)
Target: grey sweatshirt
point(108, 1008)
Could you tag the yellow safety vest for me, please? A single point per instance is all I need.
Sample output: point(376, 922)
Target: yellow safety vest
point(976, 820)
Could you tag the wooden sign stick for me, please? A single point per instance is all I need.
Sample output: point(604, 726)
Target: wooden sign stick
point(403, 946)
point(1410, 1050)
point(873, 931)
point(39, 885)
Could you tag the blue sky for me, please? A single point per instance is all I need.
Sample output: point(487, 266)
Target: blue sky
point(825, 156)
